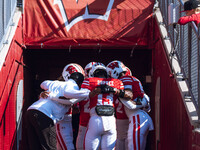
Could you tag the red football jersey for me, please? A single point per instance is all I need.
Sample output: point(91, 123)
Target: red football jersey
point(102, 99)
point(84, 112)
point(134, 84)
point(119, 110)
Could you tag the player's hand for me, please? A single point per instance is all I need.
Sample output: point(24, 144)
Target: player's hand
point(128, 94)
point(138, 101)
point(141, 101)
point(95, 92)
point(107, 89)
point(44, 94)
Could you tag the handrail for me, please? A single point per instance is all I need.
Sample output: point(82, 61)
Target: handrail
point(185, 41)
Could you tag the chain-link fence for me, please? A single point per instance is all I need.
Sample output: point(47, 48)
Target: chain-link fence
point(186, 46)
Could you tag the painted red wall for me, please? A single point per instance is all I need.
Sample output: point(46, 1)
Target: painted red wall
point(10, 75)
point(175, 128)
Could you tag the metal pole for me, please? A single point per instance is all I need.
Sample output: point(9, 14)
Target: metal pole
point(189, 54)
point(198, 80)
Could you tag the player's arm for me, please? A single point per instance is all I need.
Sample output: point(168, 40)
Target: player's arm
point(126, 97)
point(71, 96)
point(86, 85)
point(60, 99)
point(82, 93)
point(130, 104)
point(95, 92)
point(44, 94)
point(141, 101)
point(46, 84)
point(68, 100)
point(138, 100)
point(126, 94)
point(77, 98)
point(71, 91)
point(76, 93)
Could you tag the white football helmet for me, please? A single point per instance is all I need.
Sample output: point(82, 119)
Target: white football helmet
point(114, 69)
point(71, 68)
point(128, 73)
point(88, 67)
point(96, 66)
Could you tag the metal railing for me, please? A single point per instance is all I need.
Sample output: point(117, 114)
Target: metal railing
point(7, 9)
point(186, 46)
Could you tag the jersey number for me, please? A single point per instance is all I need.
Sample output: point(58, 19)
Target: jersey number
point(105, 99)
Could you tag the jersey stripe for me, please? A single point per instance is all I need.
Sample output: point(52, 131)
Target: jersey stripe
point(60, 139)
point(85, 138)
point(86, 83)
point(134, 131)
point(128, 87)
point(138, 134)
point(126, 80)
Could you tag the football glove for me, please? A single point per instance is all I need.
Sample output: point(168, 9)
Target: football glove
point(107, 89)
point(121, 93)
point(138, 101)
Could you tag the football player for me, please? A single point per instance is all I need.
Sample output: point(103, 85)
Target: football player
point(64, 129)
point(59, 91)
point(122, 121)
point(101, 130)
point(140, 122)
point(84, 113)
point(44, 113)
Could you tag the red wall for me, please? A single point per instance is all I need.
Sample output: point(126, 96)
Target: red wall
point(10, 75)
point(176, 132)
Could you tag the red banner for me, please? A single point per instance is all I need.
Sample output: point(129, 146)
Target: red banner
point(52, 23)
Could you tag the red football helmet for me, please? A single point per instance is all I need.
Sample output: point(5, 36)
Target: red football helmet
point(114, 69)
point(71, 68)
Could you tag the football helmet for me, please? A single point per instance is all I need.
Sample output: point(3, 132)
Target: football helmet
point(114, 69)
point(95, 67)
point(128, 73)
point(88, 67)
point(71, 68)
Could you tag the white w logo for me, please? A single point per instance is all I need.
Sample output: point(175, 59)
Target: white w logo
point(86, 15)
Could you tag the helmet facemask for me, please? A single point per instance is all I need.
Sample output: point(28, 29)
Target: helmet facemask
point(100, 73)
point(95, 67)
point(122, 74)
